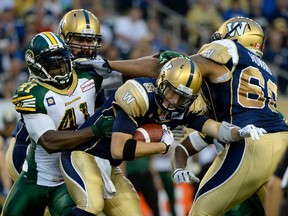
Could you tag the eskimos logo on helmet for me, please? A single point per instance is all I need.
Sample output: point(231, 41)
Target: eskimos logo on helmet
point(29, 57)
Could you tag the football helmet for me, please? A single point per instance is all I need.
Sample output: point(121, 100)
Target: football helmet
point(47, 53)
point(181, 76)
point(84, 26)
point(243, 30)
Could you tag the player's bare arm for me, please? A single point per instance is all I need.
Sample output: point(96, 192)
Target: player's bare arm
point(56, 141)
point(142, 148)
point(209, 69)
point(147, 67)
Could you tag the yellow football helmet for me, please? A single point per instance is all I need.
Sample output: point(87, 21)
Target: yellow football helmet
point(84, 26)
point(181, 76)
point(243, 30)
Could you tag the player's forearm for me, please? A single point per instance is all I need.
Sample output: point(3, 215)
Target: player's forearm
point(144, 67)
point(56, 141)
point(211, 128)
point(178, 159)
point(144, 149)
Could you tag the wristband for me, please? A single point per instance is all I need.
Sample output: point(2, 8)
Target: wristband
point(167, 147)
point(224, 133)
point(176, 170)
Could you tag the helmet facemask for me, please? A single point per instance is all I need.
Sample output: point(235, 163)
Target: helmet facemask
point(87, 44)
point(49, 63)
point(168, 107)
point(57, 60)
point(81, 31)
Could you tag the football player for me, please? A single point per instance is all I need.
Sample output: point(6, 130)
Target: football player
point(80, 29)
point(165, 100)
point(53, 104)
point(239, 88)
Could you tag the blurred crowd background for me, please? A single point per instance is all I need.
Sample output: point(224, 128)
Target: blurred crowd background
point(131, 29)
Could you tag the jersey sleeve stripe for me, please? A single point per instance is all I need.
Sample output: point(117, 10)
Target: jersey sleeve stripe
point(15, 100)
point(25, 109)
point(142, 90)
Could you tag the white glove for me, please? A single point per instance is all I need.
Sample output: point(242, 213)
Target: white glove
point(99, 65)
point(167, 137)
point(251, 131)
point(179, 132)
point(180, 176)
point(219, 146)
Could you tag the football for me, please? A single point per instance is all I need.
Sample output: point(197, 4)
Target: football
point(151, 132)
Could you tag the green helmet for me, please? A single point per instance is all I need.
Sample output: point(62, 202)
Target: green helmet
point(48, 52)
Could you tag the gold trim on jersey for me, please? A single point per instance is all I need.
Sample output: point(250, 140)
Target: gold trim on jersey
point(25, 109)
point(198, 106)
point(221, 52)
point(22, 98)
point(132, 97)
point(25, 103)
point(68, 91)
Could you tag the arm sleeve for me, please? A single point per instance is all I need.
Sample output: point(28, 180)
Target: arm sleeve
point(196, 122)
point(124, 123)
point(37, 124)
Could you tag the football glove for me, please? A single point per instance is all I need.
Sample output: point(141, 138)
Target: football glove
point(98, 66)
point(224, 133)
point(165, 56)
point(218, 145)
point(180, 176)
point(167, 137)
point(179, 132)
point(251, 131)
point(103, 127)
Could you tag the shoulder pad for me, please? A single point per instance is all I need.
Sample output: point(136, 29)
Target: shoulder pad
point(28, 98)
point(133, 98)
point(220, 51)
point(198, 106)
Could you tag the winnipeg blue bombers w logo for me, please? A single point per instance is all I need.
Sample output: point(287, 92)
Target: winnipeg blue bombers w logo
point(128, 98)
point(236, 27)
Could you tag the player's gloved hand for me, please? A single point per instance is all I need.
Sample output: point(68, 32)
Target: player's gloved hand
point(103, 127)
point(218, 145)
point(180, 176)
point(179, 132)
point(251, 131)
point(167, 55)
point(98, 66)
point(167, 137)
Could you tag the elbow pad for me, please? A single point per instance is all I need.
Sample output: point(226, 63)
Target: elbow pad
point(197, 141)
